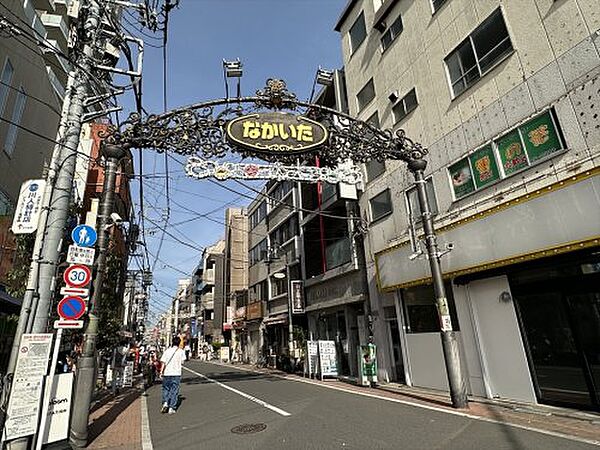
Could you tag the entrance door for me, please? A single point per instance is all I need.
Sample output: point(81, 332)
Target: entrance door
point(560, 319)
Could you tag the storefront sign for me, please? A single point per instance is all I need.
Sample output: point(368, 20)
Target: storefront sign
point(297, 296)
point(276, 132)
point(312, 357)
point(484, 166)
point(511, 152)
point(540, 137)
point(128, 374)
point(27, 212)
point(254, 310)
point(59, 408)
point(462, 180)
point(26, 392)
point(327, 359)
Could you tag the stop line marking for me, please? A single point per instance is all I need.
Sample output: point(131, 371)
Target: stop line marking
point(243, 394)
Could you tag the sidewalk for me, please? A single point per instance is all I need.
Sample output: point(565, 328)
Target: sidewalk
point(116, 422)
point(562, 421)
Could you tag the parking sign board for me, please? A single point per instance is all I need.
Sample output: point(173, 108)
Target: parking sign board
point(71, 308)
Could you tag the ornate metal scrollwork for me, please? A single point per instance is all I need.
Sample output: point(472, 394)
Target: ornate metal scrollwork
point(200, 130)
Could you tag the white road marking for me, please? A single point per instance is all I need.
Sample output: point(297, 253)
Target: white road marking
point(419, 405)
point(243, 394)
point(146, 438)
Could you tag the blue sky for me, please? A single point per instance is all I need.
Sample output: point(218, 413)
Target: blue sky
point(285, 39)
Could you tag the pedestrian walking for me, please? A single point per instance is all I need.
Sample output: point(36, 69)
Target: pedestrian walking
point(188, 351)
point(170, 372)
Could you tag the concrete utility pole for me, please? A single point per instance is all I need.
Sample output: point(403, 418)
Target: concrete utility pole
point(61, 198)
point(458, 391)
point(86, 369)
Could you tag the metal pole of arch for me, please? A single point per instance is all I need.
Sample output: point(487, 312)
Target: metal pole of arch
point(86, 370)
point(458, 392)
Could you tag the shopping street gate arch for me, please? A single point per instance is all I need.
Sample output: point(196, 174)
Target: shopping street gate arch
point(273, 126)
point(278, 128)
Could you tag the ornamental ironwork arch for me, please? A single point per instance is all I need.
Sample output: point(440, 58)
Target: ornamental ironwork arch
point(200, 130)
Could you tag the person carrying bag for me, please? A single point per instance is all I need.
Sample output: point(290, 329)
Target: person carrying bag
point(170, 372)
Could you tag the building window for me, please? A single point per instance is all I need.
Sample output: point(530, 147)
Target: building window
point(391, 33)
point(279, 286)
point(405, 105)
point(279, 193)
point(358, 33)
point(374, 168)
point(479, 53)
point(258, 215)
point(366, 94)
point(516, 150)
point(436, 4)
point(13, 128)
point(5, 80)
point(258, 252)
point(420, 310)
point(412, 201)
point(381, 205)
point(284, 232)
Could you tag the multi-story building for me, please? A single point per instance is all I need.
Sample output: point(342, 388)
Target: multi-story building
point(334, 273)
point(209, 291)
point(505, 96)
point(235, 279)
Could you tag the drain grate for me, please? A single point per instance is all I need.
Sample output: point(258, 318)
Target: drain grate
point(249, 428)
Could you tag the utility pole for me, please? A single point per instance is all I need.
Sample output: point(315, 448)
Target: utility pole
point(41, 282)
point(61, 198)
point(458, 392)
point(86, 369)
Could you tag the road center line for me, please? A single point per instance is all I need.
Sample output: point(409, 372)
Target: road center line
point(243, 394)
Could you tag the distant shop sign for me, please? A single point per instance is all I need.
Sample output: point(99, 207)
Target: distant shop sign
point(276, 133)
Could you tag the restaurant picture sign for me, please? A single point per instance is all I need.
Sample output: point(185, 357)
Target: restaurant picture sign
point(276, 132)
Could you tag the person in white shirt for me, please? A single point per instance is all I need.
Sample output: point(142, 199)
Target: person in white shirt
point(170, 372)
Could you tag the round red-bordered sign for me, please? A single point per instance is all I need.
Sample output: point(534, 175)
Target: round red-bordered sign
point(77, 275)
point(71, 308)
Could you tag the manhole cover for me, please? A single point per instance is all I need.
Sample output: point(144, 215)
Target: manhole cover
point(249, 428)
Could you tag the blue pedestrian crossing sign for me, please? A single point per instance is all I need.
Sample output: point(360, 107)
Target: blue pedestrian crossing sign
point(84, 236)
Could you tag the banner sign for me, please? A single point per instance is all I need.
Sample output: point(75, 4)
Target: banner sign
point(462, 179)
point(511, 152)
point(484, 166)
point(29, 207)
point(540, 137)
point(297, 296)
point(201, 168)
point(276, 132)
point(26, 392)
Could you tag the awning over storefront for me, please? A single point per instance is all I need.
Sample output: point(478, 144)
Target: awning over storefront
point(276, 320)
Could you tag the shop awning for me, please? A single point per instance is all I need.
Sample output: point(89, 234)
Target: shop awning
point(276, 320)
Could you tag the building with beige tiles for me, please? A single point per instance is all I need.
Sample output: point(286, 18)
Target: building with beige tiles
point(506, 97)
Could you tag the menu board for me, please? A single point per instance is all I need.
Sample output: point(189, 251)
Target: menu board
point(26, 392)
point(312, 357)
point(327, 359)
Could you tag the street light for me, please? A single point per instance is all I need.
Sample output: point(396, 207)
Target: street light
point(232, 69)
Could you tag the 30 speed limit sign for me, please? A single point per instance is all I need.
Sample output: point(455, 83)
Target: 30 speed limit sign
point(77, 275)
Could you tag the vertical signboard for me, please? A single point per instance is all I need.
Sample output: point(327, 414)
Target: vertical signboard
point(24, 403)
point(297, 297)
point(312, 357)
point(29, 207)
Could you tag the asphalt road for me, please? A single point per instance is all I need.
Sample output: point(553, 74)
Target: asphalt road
point(304, 416)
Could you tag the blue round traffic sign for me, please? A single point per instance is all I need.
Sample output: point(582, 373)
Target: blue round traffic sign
point(71, 308)
point(84, 236)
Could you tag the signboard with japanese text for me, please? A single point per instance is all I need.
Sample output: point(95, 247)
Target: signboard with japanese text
point(276, 132)
point(81, 255)
point(540, 137)
point(24, 403)
point(128, 374)
point(485, 169)
point(29, 207)
point(327, 359)
point(312, 357)
point(512, 154)
point(297, 296)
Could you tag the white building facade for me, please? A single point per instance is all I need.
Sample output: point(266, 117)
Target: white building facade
point(505, 95)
